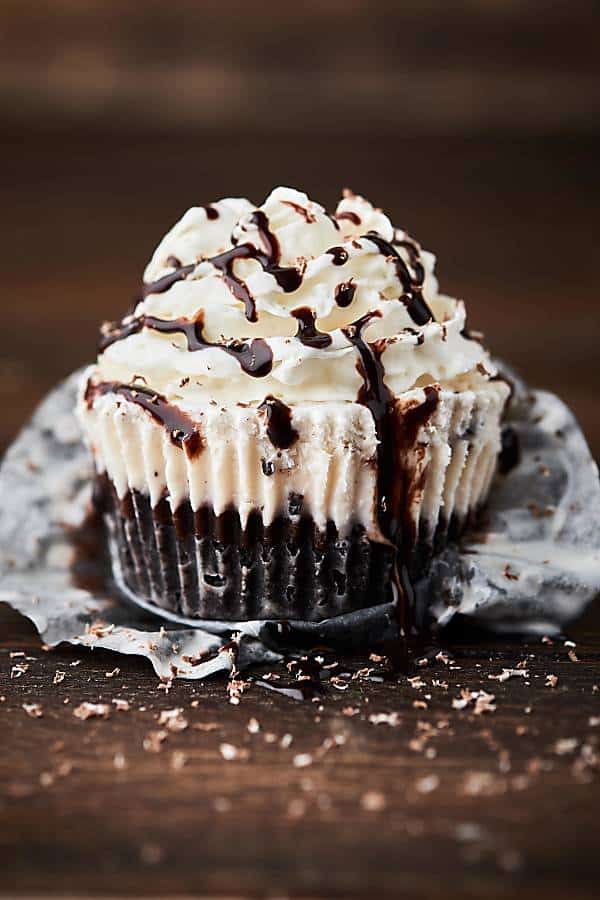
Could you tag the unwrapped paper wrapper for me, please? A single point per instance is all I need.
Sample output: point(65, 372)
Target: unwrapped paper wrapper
point(532, 568)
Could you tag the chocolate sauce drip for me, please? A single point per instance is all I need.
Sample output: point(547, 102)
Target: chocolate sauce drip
point(339, 254)
point(414, 253)
point(255, 357)
point(111, 332)
point(163, 284)
point(344, 293)
point(396, 432)
point(183, 431)
point(375, 395)
point(174, 262)
point(211, 212)
point(413, 299)
point(307, 333)
point(350, 216)
point(280, 430)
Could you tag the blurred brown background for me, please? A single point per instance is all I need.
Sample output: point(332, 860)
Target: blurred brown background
point(475, 123)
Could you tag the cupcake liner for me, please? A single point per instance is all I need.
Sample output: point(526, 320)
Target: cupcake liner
point(202, 565)
point(225, 536)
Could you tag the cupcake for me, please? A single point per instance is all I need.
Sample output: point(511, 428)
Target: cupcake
point(292, 419)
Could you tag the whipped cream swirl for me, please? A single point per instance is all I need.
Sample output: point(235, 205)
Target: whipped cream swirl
point(240, 303)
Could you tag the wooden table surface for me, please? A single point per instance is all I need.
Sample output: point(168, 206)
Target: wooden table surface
point(376, 789)
point(433, 801)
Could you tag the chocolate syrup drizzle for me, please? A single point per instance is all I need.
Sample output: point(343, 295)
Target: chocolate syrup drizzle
point(163, 284)
point(255, 357)
point(339, 255)
point(307, 333)
point(350, 216)
point(344, 293)
point(287, 277)
point(280, 430)
point(183, 431)
point(413, 299)
point(395, 432)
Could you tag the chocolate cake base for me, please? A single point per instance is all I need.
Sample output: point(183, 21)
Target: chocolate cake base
point(206, 566)
point(200, 565)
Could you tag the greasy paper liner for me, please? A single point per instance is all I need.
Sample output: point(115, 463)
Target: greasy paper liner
point(264, 551)
point(199, 565)
point(533, 567)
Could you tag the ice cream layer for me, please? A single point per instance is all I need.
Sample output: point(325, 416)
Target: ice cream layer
point(327, 472)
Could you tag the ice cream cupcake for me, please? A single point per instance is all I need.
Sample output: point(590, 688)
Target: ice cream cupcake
point(291, 417)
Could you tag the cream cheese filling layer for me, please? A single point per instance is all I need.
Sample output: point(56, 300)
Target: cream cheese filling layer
point(331, 465)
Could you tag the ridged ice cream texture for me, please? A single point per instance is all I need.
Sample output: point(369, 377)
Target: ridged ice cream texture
point(331, 463)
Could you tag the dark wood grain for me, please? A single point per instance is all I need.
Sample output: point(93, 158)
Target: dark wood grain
point(511, 809)
point(471, 66)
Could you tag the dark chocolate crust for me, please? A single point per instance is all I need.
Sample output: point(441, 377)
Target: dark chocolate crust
point(204, 566)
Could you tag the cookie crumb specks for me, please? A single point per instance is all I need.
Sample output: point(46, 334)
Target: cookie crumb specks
point(119, 761)
point(428, 784)
point(565, 746)
point(373, 801)
point(392, 719)
point(302, 760)
point(92, 710)
point(222, 805)
point(178, 760)
point(121, 705)
point(33, 710)
point(173, 719)
point(154, 740)
point(481, 701)
point(230, 753)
